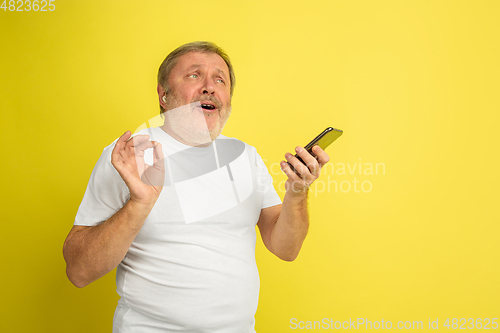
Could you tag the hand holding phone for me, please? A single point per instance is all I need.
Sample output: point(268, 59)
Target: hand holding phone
point(300, 179)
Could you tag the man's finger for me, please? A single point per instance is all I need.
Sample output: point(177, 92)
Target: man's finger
point(299, 167)
point(310, 160)
point(158, 151)
point(137, 140)
point(321, 155)
point(155, 175)
point(288, 171)
point(121, 141)
point(143, 146)
point(119, 146)
point(158, 157)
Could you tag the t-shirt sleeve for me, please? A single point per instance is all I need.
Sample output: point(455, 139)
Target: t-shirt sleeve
point(106, 192)
point(270, 197)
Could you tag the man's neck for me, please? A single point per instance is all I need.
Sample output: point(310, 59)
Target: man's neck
point(187, 139)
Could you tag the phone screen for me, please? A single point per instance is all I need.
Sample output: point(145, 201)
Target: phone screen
point(323, 140)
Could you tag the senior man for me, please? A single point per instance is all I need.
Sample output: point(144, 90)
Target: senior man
point(174, 208)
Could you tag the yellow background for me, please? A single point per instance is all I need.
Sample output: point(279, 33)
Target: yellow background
point(413, 84)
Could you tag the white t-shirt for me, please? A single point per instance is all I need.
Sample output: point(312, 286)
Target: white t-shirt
point(192, 266)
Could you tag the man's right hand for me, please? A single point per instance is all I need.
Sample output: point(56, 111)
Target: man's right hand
point(92, 251)
point(145, 182)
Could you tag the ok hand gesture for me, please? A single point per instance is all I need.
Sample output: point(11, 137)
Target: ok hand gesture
point(144, 182)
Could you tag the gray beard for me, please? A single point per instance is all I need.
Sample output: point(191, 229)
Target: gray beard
point(187, 123)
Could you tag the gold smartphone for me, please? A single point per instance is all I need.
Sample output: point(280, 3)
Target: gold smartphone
point(324, 139)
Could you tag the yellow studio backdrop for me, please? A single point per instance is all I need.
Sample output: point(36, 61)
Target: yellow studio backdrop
point(404, 220)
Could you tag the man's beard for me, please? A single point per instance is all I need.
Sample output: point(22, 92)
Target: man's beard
point(187, 123)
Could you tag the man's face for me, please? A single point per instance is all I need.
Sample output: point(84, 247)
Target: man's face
point(201, 77)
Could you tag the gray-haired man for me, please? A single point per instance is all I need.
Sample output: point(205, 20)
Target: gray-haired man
point(175, 208)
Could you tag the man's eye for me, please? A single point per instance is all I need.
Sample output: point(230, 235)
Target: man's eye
point(220, 80)
point(194, 76)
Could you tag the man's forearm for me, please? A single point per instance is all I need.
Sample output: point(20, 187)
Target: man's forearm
point(291, 227)
point(285, 236)
point(92, 252)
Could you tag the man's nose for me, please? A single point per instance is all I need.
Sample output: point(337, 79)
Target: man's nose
point(207, 86)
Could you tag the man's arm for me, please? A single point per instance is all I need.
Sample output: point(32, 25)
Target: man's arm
point(91, 252)
point(284, 227)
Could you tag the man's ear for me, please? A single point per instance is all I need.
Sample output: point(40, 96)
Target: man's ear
point(161, 95)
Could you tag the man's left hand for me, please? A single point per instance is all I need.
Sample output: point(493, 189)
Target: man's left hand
point(304, 175)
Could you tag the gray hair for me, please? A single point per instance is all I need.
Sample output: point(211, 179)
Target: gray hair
point(205, 47)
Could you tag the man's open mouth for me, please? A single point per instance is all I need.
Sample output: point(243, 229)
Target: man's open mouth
point(208, 106)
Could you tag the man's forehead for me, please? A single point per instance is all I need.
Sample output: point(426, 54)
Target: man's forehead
point(195, 66)
point(194, 60)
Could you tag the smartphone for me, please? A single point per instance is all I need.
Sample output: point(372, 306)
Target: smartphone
point(323, 140)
